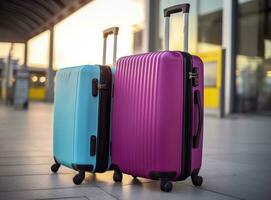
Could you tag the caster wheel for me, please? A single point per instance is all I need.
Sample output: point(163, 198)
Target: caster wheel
point(166, 186)
point(78, 179)
point(55, 167)
point(197, 180)
point(117, 177)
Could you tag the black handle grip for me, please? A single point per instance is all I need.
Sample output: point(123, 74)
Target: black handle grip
point(95, 87)
point(109, 31)
point(196, 138)
point(177, 8)
point(92, 145)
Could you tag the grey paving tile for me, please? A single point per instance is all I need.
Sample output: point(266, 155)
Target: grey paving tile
point(25, 160)
point(220, 168)
point(25, 153)
point(239, 186)
point(151, 190)
point(107, 179)
point(83, 193)
point(236, 162)
point(35, 182)
point(15, 146)
point(21, 170)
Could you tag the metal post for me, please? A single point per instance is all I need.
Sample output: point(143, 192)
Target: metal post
point(115, 50)
point(50, 72)
point(104, 51)
point(7, 78)
point(25, 54)
point(185, 31)
point(152, 39)
point(115, 44)
point(228, 44)
point(222, 89)
point(9, 69)
point(167, 20)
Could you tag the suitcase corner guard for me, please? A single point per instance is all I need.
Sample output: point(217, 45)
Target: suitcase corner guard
point(87, 168)
point(159, 175)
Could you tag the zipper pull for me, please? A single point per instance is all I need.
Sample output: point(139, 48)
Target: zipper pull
point(194, 77)
point(97, 86)
point(102, 86)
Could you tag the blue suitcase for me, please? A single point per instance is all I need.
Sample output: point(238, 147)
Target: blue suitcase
point(82, 110)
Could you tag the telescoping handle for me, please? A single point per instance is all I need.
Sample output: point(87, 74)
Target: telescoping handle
point(175, 9)
point(109, 31)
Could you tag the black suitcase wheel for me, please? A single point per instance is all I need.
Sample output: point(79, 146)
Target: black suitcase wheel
point(78, 178)
point(55, 167)
point(197, 180)
point(134, 177)
point(117, 177)
point(166, 185)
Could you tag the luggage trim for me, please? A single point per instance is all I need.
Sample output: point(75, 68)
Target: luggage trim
point(187, 119)
point(158, 175)
point(103, 135)
point(75, 111)
point(87, 168)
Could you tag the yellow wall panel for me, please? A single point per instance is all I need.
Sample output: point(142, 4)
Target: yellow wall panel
point(212, 94)
point(211, 97)
point(37, 93)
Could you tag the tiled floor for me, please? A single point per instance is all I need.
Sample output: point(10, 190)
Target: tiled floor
point(236, 163)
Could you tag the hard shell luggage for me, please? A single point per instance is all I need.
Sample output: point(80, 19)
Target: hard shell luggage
point(157, 122)
point(82, 115)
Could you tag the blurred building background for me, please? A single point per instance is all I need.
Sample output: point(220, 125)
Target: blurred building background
point(233, 37)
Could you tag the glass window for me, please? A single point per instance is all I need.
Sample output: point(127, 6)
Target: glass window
point(205, 39)
point(210, 71)
point(209, 25)
point(253, 73)
point(205, 26)
point(38, 50)
point(82, 32)
point(176, 26)
point(16, 54)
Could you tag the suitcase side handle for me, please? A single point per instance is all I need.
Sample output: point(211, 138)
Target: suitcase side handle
point(175, 9)
point(196, 138)
point(106, 32)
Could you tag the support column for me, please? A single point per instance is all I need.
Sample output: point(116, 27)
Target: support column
point(9, 67)
point(146, 38)
point(152, 25)
point(6, 76)
point(228, 42)
point(25, 54)
point(50, 72)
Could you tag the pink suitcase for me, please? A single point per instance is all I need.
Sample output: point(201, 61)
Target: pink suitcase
point(157, 127)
